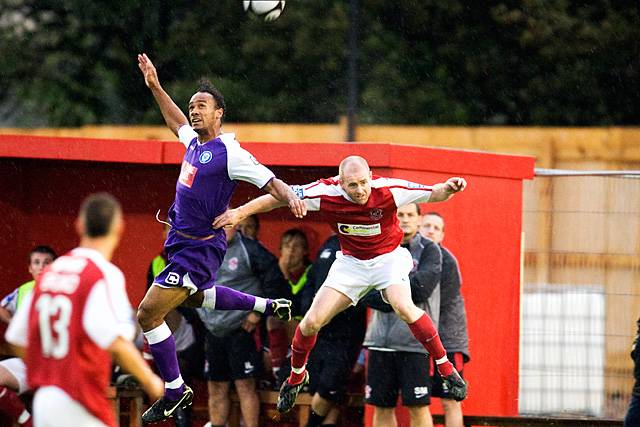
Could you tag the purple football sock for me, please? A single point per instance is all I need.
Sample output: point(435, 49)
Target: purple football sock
point(230, 299)
point(164, 356)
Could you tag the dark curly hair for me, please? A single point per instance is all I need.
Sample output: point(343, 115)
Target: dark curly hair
point(204, 85)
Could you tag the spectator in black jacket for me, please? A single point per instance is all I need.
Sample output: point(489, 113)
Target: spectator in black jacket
point(398, 363)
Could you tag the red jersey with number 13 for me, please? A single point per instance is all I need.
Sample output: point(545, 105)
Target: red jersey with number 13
point(60, 352)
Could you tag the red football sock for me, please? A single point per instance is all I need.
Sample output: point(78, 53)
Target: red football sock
point(425, 331)
point(10, 403)
point(300, 349)
point(278, 346)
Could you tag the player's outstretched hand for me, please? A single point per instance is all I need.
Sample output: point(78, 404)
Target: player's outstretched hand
point(148, 71)
point(230, 218)
point(280, 309)
point(298, 207)
point(455, 184)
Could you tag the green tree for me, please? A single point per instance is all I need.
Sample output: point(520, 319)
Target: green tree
point(529, 62)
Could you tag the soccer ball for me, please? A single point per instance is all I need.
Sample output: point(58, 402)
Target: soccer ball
point(270, 10)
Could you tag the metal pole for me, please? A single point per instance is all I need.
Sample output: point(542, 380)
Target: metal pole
point(352, 71)
point(572, 172)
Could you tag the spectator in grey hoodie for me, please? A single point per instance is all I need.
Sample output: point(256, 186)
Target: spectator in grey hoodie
point(453, 317)
point(231, 352)
point(398, 363)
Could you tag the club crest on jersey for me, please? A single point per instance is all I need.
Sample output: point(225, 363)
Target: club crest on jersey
point(359, 229)
point(376, 214)
point(205, 157)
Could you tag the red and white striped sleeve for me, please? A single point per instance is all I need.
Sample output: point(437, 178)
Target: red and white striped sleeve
point(406, 192)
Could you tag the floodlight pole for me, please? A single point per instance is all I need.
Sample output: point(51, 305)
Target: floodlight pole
point(352, 71)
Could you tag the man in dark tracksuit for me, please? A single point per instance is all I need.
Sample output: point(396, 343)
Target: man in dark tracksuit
point(230, 348)
point(453, 317)
point(397, 361)
point(337, 348)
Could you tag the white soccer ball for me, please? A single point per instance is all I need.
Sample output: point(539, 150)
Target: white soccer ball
point(268, 9)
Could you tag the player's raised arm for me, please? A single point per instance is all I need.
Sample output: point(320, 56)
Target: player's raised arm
point(173, 116)
point(444, 190)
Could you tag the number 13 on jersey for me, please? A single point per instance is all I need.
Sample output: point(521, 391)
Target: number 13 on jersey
point(54, 314)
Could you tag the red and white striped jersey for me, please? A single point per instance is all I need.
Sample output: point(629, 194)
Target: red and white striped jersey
point(364, 231)
point(79, 306)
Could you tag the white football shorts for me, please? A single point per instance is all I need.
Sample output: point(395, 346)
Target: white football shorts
point(52, 407)
point(356, 277)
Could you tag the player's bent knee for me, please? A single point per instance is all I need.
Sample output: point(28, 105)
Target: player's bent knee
point(311, 324)
point(407, 311)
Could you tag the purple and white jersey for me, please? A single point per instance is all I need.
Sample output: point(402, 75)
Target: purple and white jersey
point(207, 180)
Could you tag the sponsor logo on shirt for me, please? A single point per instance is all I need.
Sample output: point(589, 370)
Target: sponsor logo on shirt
point(376, 214)
point(420, 392)
point(248, 368)
point(254, 160)
point(187, 174)
point(205, 157)
point(233, 263)
point(359, 229)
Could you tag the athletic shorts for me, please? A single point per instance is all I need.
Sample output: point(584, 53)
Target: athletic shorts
point(193, 264)
point(330, 364)
point(17, 368)
point(356, 277)
point(393, 372)
point(53, 407)
point(458, 360)
point(233, 357)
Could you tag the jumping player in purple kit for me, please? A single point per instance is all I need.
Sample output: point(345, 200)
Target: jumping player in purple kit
point(212, 165)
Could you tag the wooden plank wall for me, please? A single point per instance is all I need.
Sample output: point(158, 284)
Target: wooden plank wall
point(611, 148)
